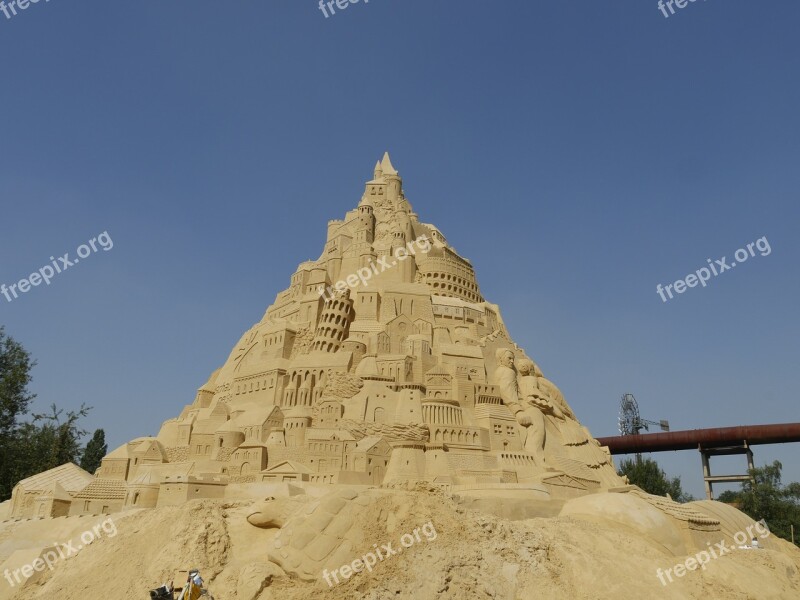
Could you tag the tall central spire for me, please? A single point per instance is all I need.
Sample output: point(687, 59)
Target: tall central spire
point(386, 165)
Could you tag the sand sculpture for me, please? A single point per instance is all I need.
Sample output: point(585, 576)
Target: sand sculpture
point(381, 363)
point(378, 391)
point(314, 533)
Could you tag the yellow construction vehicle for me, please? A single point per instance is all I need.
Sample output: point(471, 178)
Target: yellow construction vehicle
point(192, 589)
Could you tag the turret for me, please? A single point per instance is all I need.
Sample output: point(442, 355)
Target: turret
point(365, 230)
point(392, 178)
point(295, 423)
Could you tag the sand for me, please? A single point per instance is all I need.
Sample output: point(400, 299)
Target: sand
point(471, 555)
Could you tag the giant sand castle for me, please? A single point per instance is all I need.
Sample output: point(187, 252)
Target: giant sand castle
point(380, 364)
point(379, 391)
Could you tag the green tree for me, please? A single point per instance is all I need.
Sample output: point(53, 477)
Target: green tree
point(30, 446)
point(652, 479)
point(729, 497)
point(15, 368)
point(765, 497)
point(94, 452)
point(49, 441)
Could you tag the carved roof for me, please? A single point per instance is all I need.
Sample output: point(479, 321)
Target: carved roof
point(253, 415)
point(318, 433)
point(55, 491)
point(368, 443)
point(69, 476)
point(288, 466)
point(104, 489)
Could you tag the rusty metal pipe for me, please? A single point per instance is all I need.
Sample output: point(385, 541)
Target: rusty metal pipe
point(692, 439)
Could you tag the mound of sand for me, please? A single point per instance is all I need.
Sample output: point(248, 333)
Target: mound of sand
point(463, 554)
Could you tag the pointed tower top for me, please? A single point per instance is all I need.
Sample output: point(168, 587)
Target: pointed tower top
point(378, 170)
point(386, 165)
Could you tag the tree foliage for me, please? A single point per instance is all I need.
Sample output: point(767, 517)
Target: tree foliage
point(765, 497)
point(51, 439)
point(42, 442)
point(95, 450)
point(652, 479)
point(15, 367)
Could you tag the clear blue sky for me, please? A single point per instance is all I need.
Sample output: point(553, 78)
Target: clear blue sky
point(578, 152)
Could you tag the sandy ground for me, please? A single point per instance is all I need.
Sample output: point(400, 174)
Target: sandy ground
point(472, 555)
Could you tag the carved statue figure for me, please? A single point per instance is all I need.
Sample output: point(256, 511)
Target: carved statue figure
point(527, 414)
point(530, 392)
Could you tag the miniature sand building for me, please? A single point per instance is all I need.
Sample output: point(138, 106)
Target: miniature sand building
point(48, 494)
point(177, 489)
